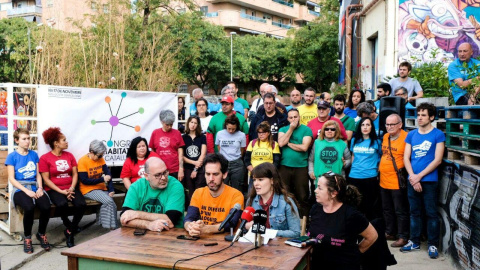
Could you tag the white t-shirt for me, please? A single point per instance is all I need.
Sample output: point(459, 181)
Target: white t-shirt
point(231, 144)
point(204, 122)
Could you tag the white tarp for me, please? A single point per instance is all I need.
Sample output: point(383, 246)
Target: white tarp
point(112, 116)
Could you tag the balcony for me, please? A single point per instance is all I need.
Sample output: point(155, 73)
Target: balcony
point(211, 14)
point(314, 13)
point(306, 15)
point(25, 11)
point(286, 26)
point(235, 20)
point(279, 8)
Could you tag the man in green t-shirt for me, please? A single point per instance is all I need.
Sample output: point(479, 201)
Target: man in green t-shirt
point(348, 122)
point(294, 140)
point(233, 85)
point(156, 202)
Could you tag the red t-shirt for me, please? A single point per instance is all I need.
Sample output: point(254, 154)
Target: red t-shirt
point(60, 168)
point(135, 171)
point(316, 126)
point(166, 145)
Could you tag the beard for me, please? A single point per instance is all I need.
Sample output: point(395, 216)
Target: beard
point(339, 111)
point(295, 102)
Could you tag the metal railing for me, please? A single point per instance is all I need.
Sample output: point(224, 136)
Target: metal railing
point(314, 13)
point(211, 14)
point(286, 26)
point(253, 18)
point(24, 10)
point(283, 3)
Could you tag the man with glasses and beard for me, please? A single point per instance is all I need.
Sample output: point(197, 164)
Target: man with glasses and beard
point(155, 202)
point(210, 205)
point(348, 122)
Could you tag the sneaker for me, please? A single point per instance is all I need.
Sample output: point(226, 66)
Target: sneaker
point(410, 246)
point(43, 241)
point(70, 239)
point(432, 252)
point(27, 245)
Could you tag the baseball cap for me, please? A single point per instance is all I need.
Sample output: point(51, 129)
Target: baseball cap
point(323, 104)
point(228, 99)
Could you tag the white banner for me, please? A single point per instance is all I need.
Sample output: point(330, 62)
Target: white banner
point(112, 116)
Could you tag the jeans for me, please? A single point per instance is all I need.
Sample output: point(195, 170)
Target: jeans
point(395, 212)
point(296, 181)
point(236, 174)
point(428, 199)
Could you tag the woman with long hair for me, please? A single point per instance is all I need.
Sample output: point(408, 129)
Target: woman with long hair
point(337, 225)
point(270, 194)
point(329, 152)
point(195, 150)
point(134, 166)
point(356, 97)
point(366, 151)
point(23, 174)
point(181, 113)
point(60, 175)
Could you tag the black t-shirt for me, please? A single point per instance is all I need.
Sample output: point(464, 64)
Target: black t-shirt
point(273, 121)
point(339, 232)
point(193, 148)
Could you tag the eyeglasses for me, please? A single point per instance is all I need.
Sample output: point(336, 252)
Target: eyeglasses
point(399, 95)
point(330, 129)
point(160, 175)
point(262, 132)
point(330, 173)
point(391, 125)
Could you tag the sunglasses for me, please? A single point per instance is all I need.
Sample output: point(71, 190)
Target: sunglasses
point(330, 173)
point(330, 129)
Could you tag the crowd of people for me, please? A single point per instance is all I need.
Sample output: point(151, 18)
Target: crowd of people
point(327, 161)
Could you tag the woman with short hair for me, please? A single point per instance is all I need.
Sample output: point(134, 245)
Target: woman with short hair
point(96, 183)
point(202, 111)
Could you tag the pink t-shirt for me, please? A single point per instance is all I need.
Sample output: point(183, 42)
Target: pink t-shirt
point(135, 171)
point(166, 145)
point(60, 168)
point(316, 126)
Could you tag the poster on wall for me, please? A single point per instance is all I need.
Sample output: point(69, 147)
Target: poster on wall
point(112, 116)
point(432, 30)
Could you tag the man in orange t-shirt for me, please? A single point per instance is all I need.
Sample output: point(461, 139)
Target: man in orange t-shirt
point(210, 205)
point(394, 199)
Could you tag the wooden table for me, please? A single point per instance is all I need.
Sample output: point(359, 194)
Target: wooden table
point(120, 249)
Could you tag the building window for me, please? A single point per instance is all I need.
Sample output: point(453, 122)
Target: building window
point(93, 6)
point(105, 8)
point(5, 6)
point(204, 10)
point(254, 13)
point(267, 16)
point(183, 88)
point(49, 3)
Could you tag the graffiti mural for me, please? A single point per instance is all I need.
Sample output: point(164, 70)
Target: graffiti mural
point(459, 208)
point(432, 30)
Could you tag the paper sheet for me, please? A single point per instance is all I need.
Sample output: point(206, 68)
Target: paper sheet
point(250, 237)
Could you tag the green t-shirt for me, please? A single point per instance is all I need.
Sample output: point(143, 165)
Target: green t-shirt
point(328, 157)
point(141, 197)
point(348, 123)
point(290, 157)
point(217, 121)
point(243, 102)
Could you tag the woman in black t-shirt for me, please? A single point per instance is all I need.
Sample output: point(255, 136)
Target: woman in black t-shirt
point(194, 153)
point(337, 225)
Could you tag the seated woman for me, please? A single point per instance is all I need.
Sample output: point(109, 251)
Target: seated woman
point(94, 178)
point(270, 195)
point(134, 166)
point(59, 173)
point(336, 224)
point(22, 168)
point(329, 152)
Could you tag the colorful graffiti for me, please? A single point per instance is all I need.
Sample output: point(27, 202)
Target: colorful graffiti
point(432, 30)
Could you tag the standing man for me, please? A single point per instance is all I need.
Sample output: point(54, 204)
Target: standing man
point(367, 109)
point(217, 121)
point(383, 90)
point(347, 121)
point(271, 114)
point(410, 84)
point(155, 202)
point(167, 143)
point(308, 111)
point(242, 101)
point(323, 116)
point(227, 91)
point(402, 92)
point(295, 99)
point(459, 77)
point(210, 205)
point(257, 102)
point(295, 140)
point(394, 197)
point(423, 154)
point(197, 94)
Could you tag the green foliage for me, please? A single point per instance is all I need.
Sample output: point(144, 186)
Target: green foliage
point(433, 77)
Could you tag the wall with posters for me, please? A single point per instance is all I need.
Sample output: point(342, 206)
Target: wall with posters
point(112, 116)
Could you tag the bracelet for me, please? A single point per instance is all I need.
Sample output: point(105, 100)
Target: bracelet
point(195, 170)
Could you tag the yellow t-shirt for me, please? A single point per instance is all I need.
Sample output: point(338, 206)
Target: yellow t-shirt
point(307, 113)
point(94, 170)
point(262, 152)
point(215, 210)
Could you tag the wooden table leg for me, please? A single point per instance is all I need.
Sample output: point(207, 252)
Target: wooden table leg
point(72, 263)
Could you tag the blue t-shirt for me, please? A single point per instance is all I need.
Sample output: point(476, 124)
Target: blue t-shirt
point(366, 159)
point(423, 151)
point(457, 71)
point(25, 166)
point(377, 106)
point(350, 112)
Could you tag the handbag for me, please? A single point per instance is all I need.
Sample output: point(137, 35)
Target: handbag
point(402, 174)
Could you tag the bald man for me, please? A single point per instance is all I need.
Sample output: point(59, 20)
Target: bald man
point(295, 99)
point(460, 78)
point(155, 202)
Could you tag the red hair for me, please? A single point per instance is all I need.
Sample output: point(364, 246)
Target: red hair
point(51, 135)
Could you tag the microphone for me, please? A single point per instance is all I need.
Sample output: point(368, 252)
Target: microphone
point(259, 226)
point(237, 207)
point(247, 216)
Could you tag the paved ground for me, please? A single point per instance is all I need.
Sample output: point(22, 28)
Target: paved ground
point(13, 257)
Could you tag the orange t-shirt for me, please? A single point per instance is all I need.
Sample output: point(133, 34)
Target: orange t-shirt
point(388, 176)
point(215, 210)
point(94, 170)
